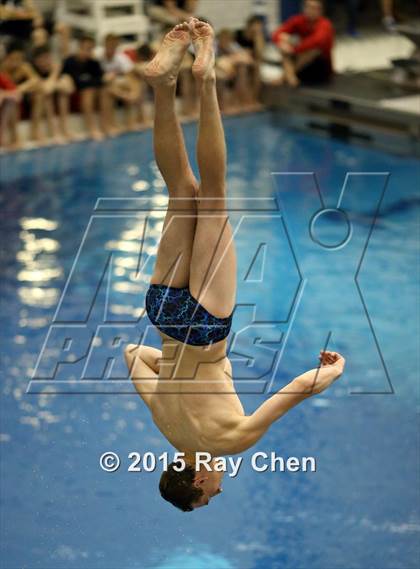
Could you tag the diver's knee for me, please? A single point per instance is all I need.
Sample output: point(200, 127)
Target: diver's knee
point(130, 351)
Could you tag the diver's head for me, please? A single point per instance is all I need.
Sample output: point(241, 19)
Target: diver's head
point(189, 489)
point(313, 9)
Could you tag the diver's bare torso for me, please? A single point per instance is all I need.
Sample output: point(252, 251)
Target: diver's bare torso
point(193, 399)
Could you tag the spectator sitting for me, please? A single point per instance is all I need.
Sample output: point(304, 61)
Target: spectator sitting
point(60, 40)
point(252, 38)
point(122, 83)
point(233, 64)
point(51, 82)
point(306, 42)
point(9, 113)
point(18, 71)
point(170, 12)
point(87, 76)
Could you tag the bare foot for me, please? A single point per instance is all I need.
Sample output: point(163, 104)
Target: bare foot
point(76, 137)
point(39, 140)
point(58, 140)
point(164, 67)
point(233, 110)
point(277, 82)
point(96, 135)
point(113, 131)
point(68, 137)
point(202, 35)
point(14, 146)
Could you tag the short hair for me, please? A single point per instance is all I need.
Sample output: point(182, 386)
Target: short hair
point(225, 32)
point(205, 20)
point(178, 488)
point(112, 37)
point(14, 46)
point(254, 19)
point(86, 38)
point(166, 28)
point(318, 1)
point(145, 52)
point(41, 50)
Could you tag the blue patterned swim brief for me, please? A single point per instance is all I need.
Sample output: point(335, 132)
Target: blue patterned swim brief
point(176, 313)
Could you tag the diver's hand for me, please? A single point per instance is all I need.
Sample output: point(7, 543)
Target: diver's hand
point(332, 359)
point(318, 380)
point(302, 387)
point(331, 368)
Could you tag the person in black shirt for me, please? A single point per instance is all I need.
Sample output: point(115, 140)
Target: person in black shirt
point(85, 71)
point(87, 75)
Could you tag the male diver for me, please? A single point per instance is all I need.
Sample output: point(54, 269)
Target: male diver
point(188, 385)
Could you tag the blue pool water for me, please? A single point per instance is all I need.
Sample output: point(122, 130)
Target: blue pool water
point(360, 509)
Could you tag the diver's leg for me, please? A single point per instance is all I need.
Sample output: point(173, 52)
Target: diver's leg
point(213, 264)
point(174, 254)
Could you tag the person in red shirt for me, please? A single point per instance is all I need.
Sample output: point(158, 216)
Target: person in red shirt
point(306, 42)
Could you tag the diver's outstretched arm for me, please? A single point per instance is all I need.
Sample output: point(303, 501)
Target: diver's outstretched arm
point(310, 383)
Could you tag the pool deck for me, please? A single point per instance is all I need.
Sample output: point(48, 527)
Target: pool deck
point(370, 98)
point(366, 105)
